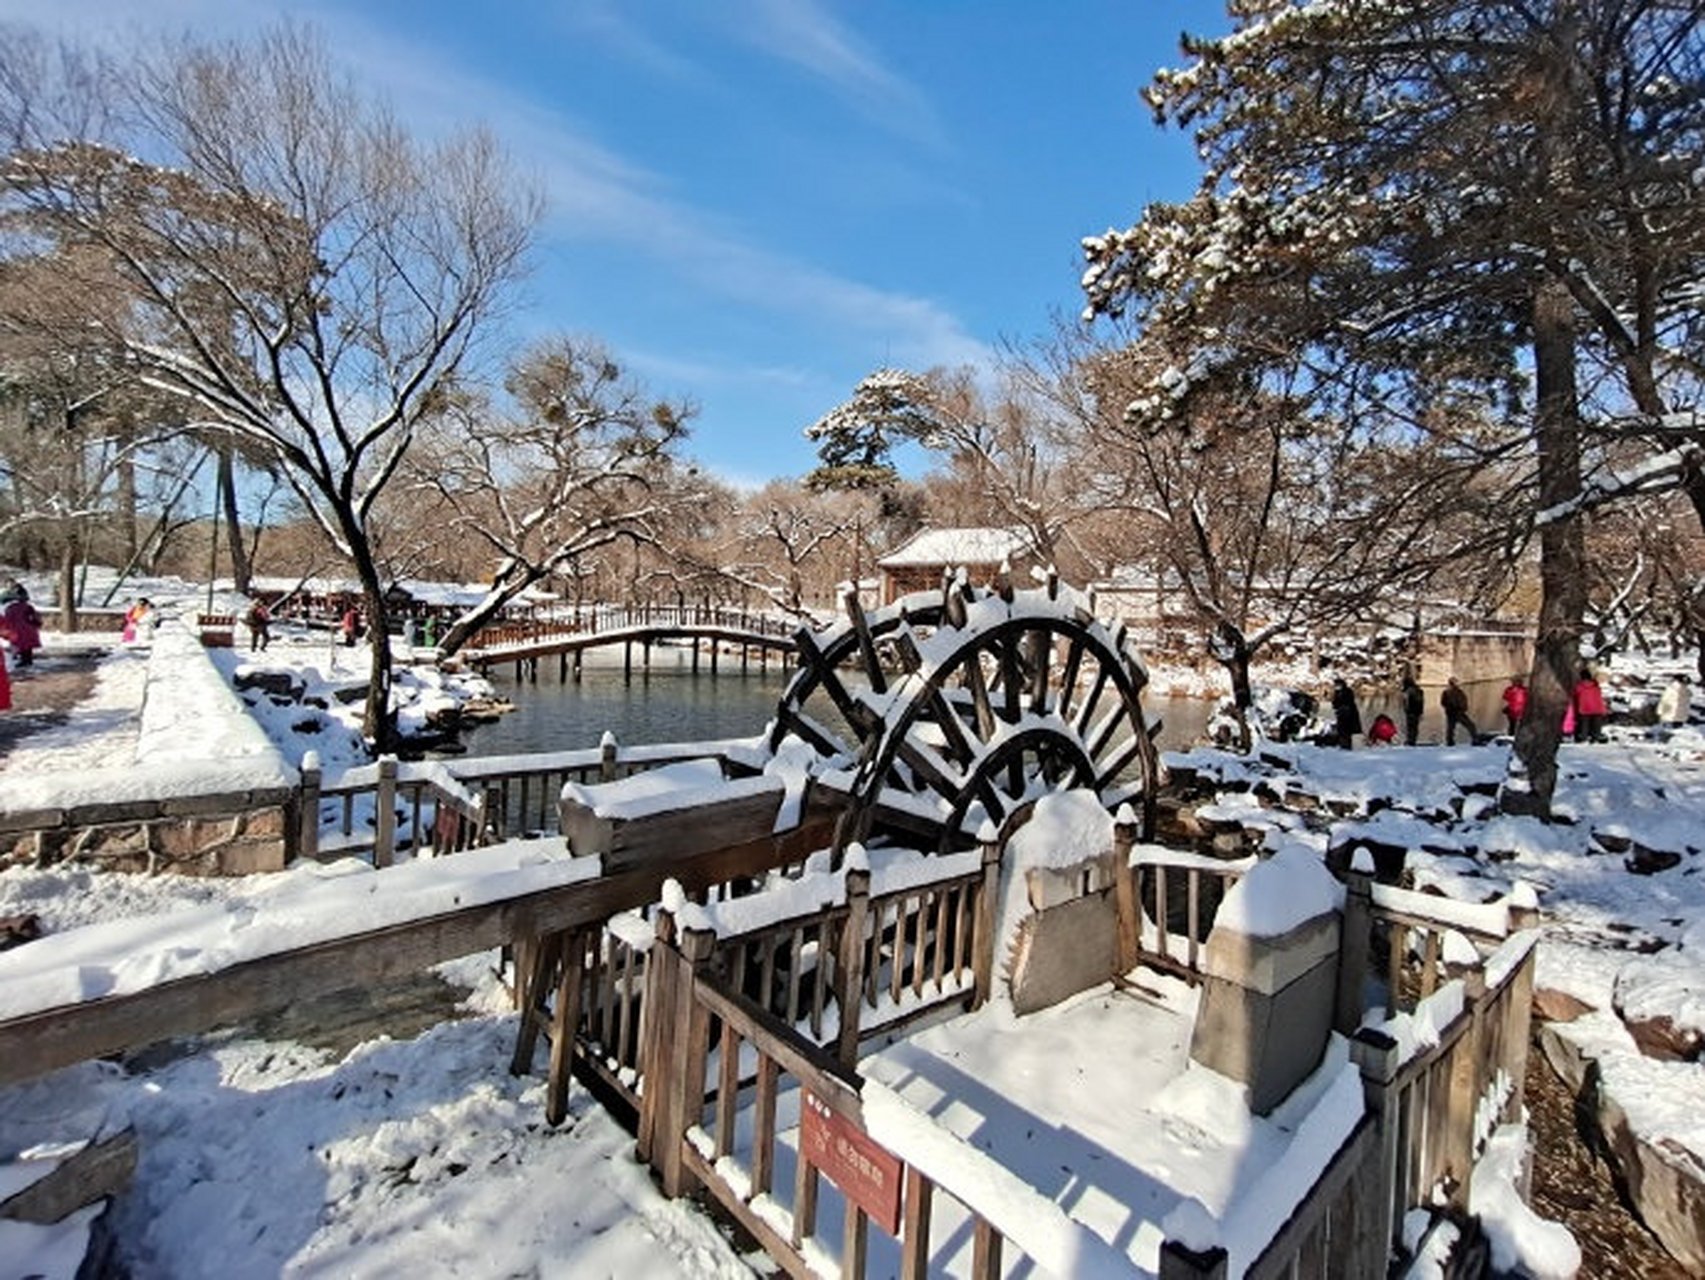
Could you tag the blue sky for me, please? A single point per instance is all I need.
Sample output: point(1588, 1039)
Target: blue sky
point(753, 203)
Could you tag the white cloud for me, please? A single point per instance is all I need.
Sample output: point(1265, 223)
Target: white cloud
point(594, 193)
point(806, 34)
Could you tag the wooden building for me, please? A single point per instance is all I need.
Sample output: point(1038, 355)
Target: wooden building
point(918, 563)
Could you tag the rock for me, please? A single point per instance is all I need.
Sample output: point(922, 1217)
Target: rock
point(1661, 1038)
point(1649, 862)
point(1612, 842)
point(17, 930)
point(279, 684)
point(1665, 1181)
point(1558, 1006)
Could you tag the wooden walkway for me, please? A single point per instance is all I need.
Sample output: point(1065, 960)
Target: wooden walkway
point(567, 634)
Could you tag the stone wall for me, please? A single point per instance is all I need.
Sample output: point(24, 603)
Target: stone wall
point(204, 791)
point(1473, 656)
point(194, 835)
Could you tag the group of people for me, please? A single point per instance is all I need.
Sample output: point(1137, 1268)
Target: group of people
point(1583, 718)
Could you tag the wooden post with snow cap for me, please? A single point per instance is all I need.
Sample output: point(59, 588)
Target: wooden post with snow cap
point(850, 962)
point(1354, 943)
point(308, 808)
point(1125, 888)
point(608, 750)
point(385, 813)
point(677, 1043)
point(988, 914)
point(1468, 1065)
point(1376, 1056)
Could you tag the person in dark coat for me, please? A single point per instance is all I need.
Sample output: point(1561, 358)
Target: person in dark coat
point(1455, 703)
point(1345, 714)
point(1414, 702)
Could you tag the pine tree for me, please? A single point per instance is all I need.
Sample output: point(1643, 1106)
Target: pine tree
point(1429, 199)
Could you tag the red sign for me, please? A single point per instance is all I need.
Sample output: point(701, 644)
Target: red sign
point(869, 1176)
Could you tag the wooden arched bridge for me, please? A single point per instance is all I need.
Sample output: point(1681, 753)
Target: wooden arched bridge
point(567, 633)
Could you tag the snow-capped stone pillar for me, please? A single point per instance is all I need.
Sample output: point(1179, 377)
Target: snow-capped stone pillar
point(385, 813)
point(1271, 965)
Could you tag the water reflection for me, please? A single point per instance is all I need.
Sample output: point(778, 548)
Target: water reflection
point(672, 704)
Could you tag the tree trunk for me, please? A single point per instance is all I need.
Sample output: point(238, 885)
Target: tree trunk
point(127, 507)
point(1230, 648)
point(1562, 573)
point(227, 484)
point(68, 557)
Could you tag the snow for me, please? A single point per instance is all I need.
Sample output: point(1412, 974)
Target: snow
point(957, 547)
point(1278, 894)
point(123, 957)
point(1522, 1242)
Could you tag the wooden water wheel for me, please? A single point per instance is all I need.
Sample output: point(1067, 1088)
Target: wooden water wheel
point(945, 711)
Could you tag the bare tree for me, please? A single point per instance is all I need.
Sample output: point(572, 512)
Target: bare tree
point(308, 276)
point(584, 459)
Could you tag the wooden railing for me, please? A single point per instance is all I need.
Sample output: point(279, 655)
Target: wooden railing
point(522, 791)
point(769, 1173)
point(593, 620)
point(1173, 894)
point(1438, 1105)
point(437, 814)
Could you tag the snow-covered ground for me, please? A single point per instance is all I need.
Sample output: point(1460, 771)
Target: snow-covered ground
point(271, 1158)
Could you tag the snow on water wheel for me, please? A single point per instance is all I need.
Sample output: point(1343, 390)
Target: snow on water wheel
point(954, 709)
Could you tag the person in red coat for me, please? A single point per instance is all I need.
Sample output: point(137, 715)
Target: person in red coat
point(1515, 702)
point(1588, 702)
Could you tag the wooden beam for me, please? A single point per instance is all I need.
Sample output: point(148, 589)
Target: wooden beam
point(42, 1042)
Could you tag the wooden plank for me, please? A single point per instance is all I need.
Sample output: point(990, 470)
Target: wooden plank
point(914, 1232)
point(764, 1127)
point(564, 1021)
point(40, 1042)
point(727, 1088)
point(775, 1243)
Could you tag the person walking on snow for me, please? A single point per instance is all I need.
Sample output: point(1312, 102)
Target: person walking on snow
point(1455, 703)
point(1676, 702)
point(1515, 702)
point(1589, 708)
point(23, 625)
point(1414, 702)
point(1344, 713)
point(260, 625)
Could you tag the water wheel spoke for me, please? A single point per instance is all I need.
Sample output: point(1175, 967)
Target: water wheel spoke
point(1121, 759)
point(1068, 676)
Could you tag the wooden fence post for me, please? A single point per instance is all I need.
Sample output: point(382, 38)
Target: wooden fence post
point(1376, 1056)
point(1468, 1068)
point(1125, 888)
point(608, 749)
point(308, 808)
point(988, 917)
point(385, 813)
point(1180, 1263)
point(677, 1044)
point(1353, 942)
point(849, 977)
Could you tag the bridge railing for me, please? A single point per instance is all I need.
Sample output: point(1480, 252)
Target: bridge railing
point(594, 620)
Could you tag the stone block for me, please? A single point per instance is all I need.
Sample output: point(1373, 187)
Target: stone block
point(31, 819)
point(189, 837)
point(248, 857)
point(1269, 1041)
point(200, 806)
point(1064, 949)
point(1268, 965)
point(264, 822)
point(95, 815)
point(106, 843)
